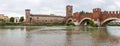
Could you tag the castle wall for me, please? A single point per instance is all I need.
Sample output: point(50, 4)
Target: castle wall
point(42, 19)
point(45, 19)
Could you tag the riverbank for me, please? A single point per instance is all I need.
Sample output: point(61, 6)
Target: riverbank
point(36, 24)
point(19, 24)
point(111, 24)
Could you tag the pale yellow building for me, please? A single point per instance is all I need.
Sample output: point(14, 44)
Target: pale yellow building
point(2, 16)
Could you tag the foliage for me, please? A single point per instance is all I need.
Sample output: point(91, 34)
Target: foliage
point(113, 24)
point(82, 12)
point(91, 23)
point(2, 22)
point(32, 24)
point(12, 24)
point(12, 19)
point(70, 24)
point(21, 19)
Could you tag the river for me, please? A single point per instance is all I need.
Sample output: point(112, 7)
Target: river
point(59, 36)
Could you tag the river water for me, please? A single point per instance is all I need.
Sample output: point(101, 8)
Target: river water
point(59, 36)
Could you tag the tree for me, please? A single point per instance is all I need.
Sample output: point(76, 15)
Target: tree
point(91, 23)
point(70, 24)
point(2, 20)
point(82, 12)
point(11, 19)
point(21, 19)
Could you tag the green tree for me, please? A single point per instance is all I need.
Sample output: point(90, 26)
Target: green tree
point(2, 20)
point(12, 19)
point(70, 24)
point(21, 19)
point(82, 12)
point(91, 23)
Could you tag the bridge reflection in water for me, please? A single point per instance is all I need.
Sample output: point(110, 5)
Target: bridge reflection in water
point(59, 36)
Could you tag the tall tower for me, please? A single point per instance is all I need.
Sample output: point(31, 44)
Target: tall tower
point(27, 14)
point(69, 12)
point(96, 15)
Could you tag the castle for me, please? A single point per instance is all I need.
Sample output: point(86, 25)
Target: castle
point(43, 18)
point(98, 16)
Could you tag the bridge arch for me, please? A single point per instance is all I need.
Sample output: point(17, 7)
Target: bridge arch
point(69, 20)
point(106, 21)
point(84, 20)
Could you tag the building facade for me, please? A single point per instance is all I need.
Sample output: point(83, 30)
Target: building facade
point(2, 16)
point(16, 19)
point(44, 18)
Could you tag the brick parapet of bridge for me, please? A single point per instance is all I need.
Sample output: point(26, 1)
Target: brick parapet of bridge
point(79, 16)
point(97, 15)
point(111, 12)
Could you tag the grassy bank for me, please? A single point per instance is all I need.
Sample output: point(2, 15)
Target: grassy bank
point(111, 24)
point(18, 24)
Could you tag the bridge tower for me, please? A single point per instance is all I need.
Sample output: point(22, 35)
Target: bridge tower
point(27, 14)
point(96, 15)
point(69, 11)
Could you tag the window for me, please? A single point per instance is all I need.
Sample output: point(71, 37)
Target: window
point(45, 20)
point(37, 17)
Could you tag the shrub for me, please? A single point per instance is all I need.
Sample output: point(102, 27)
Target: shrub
point(70, 24)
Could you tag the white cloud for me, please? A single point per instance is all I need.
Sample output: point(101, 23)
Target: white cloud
point(17, 7)
point(102, 1)
point(117, 4)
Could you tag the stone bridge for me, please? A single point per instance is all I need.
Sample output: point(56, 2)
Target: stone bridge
point(101, 18)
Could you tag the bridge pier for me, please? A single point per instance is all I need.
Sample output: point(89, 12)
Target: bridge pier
point(76, 23)
point(97, 22)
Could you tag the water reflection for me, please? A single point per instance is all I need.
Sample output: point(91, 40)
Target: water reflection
point(102, 38)
point(59, 36)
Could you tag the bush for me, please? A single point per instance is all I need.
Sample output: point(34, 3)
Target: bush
point(91, 23)
point(70, 24)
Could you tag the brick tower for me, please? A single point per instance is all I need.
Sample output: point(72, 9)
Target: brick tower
point(96, 15)
point(69, 11)
point(27, 14)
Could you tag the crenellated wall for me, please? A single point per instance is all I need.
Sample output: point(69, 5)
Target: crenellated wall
point(111, 12)
point(98, 16)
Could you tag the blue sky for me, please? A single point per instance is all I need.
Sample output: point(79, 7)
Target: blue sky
point(17, 7)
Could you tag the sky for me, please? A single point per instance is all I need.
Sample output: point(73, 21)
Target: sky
point(16, 8)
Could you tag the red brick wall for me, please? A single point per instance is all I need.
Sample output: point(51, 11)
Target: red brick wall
point(97, 14)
